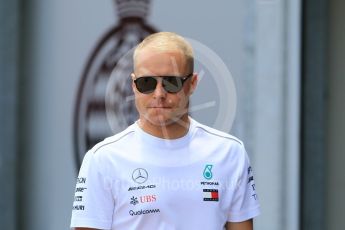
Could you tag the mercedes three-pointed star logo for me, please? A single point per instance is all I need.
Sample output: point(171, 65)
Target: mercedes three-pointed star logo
point(140, 175)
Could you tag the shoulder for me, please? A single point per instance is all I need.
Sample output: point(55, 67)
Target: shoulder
point(101, 157)
point(114, 140)
point(215, 134)
point(223, 146)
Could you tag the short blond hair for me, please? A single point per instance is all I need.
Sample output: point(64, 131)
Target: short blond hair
point(167, 41)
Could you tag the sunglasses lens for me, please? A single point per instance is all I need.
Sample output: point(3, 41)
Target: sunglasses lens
point(146, 84)
point(172, 84)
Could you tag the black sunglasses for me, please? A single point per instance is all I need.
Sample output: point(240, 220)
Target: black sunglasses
point(171, 84)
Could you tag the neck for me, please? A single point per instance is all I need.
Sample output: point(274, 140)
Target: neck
point(173, 130)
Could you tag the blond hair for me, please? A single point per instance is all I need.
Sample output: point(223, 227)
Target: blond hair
point(167, 41)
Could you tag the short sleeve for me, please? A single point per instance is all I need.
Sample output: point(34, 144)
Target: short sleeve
point(244, 204)
point(93, 202)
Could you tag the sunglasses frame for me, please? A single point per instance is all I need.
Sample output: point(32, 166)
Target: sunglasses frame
point(182, 79)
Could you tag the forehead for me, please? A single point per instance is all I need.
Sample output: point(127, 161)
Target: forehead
point(151, 61)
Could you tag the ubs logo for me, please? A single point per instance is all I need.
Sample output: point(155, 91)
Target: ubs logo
point(140, 175)
point(97, 94)
point(143, 199)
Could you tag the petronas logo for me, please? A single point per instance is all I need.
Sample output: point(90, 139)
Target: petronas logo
point(208, 172)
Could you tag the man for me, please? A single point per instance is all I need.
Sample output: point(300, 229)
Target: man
point(166, 171)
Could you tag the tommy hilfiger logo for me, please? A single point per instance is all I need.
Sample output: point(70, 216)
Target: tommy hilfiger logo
point(210, 194)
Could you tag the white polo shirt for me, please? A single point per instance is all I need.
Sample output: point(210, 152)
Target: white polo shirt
point(134, 180)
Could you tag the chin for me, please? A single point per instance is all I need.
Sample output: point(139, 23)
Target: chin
point(161, 121)
point(164, 120)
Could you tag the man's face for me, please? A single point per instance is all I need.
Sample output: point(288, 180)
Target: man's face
point(161, 108)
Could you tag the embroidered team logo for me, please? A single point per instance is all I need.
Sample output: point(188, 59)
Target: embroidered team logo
point(140, 175)
point(207, 172)
point(210, 194)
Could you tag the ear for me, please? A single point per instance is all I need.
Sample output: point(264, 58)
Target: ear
point(133, 76)
point(194, 83)
point(133, 84)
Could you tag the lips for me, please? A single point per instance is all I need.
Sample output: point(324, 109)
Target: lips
point(159, 107)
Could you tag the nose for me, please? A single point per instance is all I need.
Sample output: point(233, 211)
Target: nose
point(159, 91)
